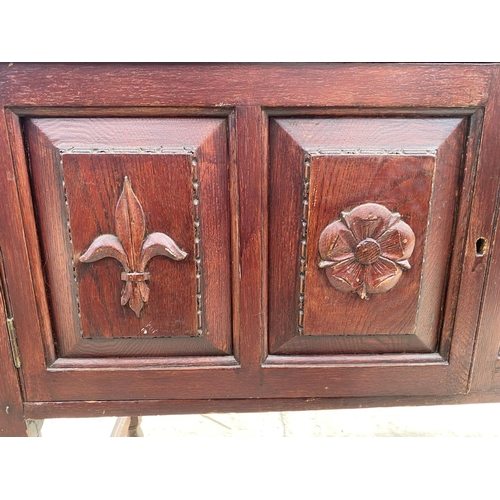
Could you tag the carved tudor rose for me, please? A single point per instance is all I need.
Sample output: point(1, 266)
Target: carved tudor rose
point(366, 250)
point(131, 249)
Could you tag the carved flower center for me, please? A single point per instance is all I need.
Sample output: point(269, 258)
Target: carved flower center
point(367, 251)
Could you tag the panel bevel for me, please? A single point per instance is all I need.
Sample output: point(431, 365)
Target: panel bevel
point(410, 145)
point(101, 146)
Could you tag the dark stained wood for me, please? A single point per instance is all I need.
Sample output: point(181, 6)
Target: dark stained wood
point(192, 361)
point(224, 118)
point(27, 213)
point(400, 184)
point(376, 257)
point(171, 309)
point(215, 238)
point(128, 112)
point(484, 373)
point(90, 212)
point(290, 380)
point(234, 211)
point(225, 85)
point(11, 406)
point(285, 194)
point(18, 275)
point(131, 249)
point(149, 135)
point(192, 406)
point(358, 344)
point(456, 253)
point(356, 359)
point(391, 161)
point(363, 135)
point(250, 141)
point(484, 206)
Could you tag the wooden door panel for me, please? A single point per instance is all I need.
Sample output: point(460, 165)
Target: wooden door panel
point(123, 207)
point(170, 310)
point(399, 184)
point(338, 188)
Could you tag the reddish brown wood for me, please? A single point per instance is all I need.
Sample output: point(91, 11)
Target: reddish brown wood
point(11, 406)
point(131, 249)
point(367, 250)
point(228, 125)
point(192, 406)
point(343, 163)
point(485, 373)
point(19, 277)
point(30, 233)
point(251, 274)
point(484, 206)
point(298, 85)
point(296, 378)
point(177, 310)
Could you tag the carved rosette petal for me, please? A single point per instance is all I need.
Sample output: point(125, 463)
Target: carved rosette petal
point(130, 250)
point(368, 221)
point(366, 250)
point(398, 242)
point(336, 242)
point(347, 275)
point(382, 275)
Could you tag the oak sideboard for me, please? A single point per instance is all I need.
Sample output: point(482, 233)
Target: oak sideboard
point(190, 238)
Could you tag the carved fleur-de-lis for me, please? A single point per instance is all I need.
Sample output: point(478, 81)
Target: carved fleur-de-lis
point(131, 249)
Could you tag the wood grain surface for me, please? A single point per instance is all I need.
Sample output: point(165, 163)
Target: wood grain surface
point(224, 85)
point(195, 406)
point(485, 373)
point(395, 162)
point(11, 410)
point(83, 184)
point(249, 127)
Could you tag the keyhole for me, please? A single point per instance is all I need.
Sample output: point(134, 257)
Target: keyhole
point(481, 247)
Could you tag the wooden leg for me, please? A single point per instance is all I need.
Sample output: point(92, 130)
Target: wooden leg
point(34, 428)
point(127, 427)
point(134, 429)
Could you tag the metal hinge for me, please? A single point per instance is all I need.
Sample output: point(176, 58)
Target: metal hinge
point(11, 328)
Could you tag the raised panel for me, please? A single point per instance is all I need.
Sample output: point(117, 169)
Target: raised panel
point(339, 186)
point(398, 184)
point(127, 216)
point(167, 209)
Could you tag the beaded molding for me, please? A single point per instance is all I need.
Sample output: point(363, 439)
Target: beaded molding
point(303, 240)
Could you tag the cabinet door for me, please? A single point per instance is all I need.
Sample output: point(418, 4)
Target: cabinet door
point(365, 244)
point(133, 220)
point(362, 216)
